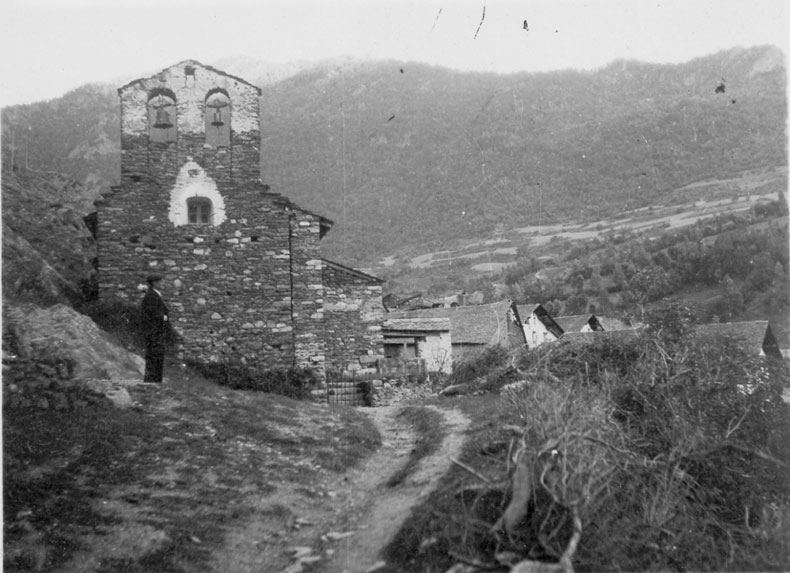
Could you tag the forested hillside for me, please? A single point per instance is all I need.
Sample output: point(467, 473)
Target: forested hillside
point(407, 156)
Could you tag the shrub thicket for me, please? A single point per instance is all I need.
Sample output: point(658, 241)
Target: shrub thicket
point(296, 383)
point(665, 449)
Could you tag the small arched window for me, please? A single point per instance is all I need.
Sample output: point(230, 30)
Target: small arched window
point(199, 211)
point(162, 116)
point(217, 118)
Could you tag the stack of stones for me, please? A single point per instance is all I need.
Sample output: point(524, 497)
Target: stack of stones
point(401, 390)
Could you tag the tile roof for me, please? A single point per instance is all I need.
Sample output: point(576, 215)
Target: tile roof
point(755, 334)
point(474, 324)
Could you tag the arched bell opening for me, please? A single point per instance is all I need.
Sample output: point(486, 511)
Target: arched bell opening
point(217, 118)
point(162, 119)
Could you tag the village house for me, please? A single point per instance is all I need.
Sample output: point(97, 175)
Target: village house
point(243, 273)
point(423, 342)
point(539, 326)
point(476, 327)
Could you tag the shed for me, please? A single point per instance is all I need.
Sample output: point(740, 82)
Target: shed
point(473, 328)
point(419, 339)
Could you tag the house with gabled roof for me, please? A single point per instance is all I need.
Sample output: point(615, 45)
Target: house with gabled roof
point(476, 327)
point(539, 327)
point(757, 335)
point(426, 340)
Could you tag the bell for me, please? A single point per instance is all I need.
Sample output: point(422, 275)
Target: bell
point(217, 122)
point(162, 119)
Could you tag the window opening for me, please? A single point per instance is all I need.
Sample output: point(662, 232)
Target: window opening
point(199, 211)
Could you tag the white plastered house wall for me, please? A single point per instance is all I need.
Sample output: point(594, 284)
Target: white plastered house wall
point(437, 351)
point(535, 331)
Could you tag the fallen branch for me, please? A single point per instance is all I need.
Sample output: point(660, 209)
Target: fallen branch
point(474, 562)
point(471, 470)
point(565, 560)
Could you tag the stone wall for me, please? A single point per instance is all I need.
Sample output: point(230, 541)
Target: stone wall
point(230, 288)
point(249, 287)
point(353, 313)
point(246, 290)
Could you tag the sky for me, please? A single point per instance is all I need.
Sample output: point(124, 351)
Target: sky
point(48, 47)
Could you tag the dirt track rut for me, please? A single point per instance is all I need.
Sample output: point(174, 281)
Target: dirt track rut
point(375, 511)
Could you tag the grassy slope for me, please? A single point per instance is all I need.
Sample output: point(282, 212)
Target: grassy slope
point(186, 463)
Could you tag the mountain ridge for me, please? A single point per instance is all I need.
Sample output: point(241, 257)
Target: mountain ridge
point(402, 155)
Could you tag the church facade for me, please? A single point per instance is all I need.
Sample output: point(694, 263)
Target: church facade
point(242, 265)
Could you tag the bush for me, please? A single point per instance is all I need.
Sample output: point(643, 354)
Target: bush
point(296, 383)
point(676, 434)
point(669, 450)
point(488, 371)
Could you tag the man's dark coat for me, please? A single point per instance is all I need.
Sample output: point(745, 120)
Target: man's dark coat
point(155, 327)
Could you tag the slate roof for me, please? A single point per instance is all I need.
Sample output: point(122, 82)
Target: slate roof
point(419, 324)
point(609, 323)
point(474, 324)
point(355, 272)
point(756, 334)
point(593, 335)
point(573, 323)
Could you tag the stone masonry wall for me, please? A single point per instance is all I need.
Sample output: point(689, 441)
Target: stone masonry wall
point(307, 291)
point(239, 161)
point(246, 291)
point(353, 313)
point(229, 288)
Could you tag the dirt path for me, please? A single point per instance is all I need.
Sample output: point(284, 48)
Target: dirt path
point(375, 511)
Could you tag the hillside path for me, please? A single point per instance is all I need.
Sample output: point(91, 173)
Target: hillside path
point(376, 512)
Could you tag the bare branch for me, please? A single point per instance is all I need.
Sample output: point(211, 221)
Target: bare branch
point(472, 471)
point(565, 560)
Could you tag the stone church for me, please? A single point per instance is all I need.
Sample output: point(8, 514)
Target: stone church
point(243, 273)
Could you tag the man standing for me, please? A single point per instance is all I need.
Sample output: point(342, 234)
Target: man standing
point(155, 327)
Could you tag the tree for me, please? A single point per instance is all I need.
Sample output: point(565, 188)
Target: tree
point(576, 304)
point(618, 277)
point(733, 299)
point(648, 284)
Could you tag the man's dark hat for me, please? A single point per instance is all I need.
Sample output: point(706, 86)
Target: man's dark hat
point(153, 278)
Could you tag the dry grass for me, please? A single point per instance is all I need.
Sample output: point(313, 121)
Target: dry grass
point(185, 464)
point(640, 455)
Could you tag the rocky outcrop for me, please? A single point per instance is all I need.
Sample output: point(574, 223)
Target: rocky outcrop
point(27, 276)
point(48, 251)
point(62, 349)
point(60, 331)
